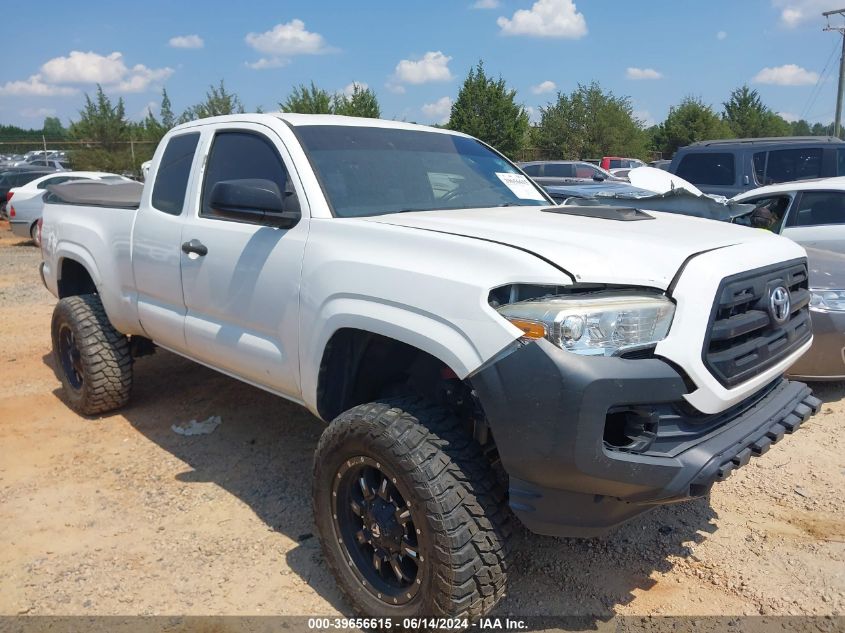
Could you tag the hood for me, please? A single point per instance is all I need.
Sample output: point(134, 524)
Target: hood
point(646, 252)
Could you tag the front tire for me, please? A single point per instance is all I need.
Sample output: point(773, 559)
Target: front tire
point(409, 513)
point(92, 358)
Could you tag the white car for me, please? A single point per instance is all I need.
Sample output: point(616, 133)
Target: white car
point(811, 212)
point(416, 291)
point(24, 204)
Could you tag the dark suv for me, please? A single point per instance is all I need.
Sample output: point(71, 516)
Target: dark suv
point(730, 167)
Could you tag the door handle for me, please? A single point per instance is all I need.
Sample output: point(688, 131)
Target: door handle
point(195, 246)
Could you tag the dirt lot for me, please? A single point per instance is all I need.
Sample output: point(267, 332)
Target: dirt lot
point(120, 515)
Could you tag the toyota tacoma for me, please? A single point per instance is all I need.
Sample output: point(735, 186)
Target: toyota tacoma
point(477, 353)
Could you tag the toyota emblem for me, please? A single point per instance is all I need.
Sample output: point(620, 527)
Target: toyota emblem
point(779, 306)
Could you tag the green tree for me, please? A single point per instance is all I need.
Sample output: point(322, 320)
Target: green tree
point(821, 130)
point(800, 128)
point(53, 128)
point(103, 125)
point(688, 122)
point(218, 101)
point(748, 116)
point(487, 109)
point(362, 102)
point(308, 100)
point(590, 122)
point(168, 119)
point(102, 122)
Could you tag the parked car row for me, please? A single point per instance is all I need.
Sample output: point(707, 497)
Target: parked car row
point(43, 158)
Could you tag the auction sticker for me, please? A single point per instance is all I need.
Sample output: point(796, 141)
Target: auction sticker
point(521, 186)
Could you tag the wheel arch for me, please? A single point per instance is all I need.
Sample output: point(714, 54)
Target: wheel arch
point(358, 366)
point(74, 275)
point(422, 332)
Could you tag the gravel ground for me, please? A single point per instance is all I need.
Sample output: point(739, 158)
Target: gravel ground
point(122, 516)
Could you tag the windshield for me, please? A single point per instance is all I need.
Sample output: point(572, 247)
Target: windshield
point(368, 171)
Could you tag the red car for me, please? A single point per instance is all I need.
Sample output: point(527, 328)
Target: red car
point(616, 162)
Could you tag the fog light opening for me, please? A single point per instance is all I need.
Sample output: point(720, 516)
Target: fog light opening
point(630, 430)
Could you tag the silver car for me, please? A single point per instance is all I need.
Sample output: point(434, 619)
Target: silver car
point(812, 212)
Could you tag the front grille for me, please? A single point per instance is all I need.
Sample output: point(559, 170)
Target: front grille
point(743, 339)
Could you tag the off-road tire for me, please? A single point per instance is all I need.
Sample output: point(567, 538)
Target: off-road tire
point(457, 500)
point(103, 361)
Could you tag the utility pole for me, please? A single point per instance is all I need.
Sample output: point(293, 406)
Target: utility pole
point(841, 30)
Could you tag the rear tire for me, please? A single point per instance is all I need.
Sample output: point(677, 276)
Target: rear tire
point(33, 233)
point(404, 457)
point(92, 359)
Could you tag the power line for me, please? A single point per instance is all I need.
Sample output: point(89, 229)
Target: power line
point(816, 90)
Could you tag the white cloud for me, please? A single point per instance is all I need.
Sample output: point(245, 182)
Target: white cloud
point(789, 117)
point(433, 66)
point(795, 12)
point(81, 68)
point(642, 73)
point(268, 62)
point(644, 116)
point(37, 113)
point(85, 68)
point(721, 35)
point(284, 41)
point(35, 87)
point(486, 4)
point(439, 111)
point(544, 87)
point(186, 41)
point(786, 75)
point(349, 89)
point(140, 78)
point(546, 18)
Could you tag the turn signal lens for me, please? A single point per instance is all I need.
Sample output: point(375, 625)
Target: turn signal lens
point(530, 329)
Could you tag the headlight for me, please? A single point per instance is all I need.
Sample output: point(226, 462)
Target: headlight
point(596, 325)
point(833, 300)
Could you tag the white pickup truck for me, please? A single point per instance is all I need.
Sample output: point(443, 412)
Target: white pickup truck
point(477, 351)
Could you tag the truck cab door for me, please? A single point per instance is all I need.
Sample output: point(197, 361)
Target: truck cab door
point(241, 276)
point(156, 241)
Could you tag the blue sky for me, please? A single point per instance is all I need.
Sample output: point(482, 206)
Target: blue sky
point(415, 54)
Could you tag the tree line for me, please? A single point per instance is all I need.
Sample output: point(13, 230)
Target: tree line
point(587, 122)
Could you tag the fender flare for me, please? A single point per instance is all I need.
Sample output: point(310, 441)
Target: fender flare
point(419, 329)
point(79, 254)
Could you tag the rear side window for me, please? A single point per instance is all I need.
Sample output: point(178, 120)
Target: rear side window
point(171, 180)
point(785, 165)
point(241, 155)
point(819, 207)
point(532, 170)
point(557, 170)
point(586, 171)
point(616, 163)
point(709, 168)
point(840, 162)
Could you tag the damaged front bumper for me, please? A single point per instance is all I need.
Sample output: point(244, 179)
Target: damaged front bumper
point(591, 442)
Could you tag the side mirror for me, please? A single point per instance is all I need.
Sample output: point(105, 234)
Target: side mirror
point(254, 200)
point(598, 177)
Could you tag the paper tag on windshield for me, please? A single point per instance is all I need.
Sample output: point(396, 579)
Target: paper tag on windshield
point(520, 186)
